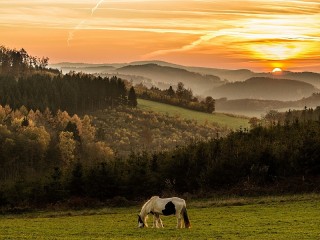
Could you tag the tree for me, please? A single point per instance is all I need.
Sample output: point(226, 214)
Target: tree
point(210, 104)
point(88, 131)
point(67, 146)
point(254, 121)
point(72, 127)
point(170, 92)
point(132, 98)
point(180, 90)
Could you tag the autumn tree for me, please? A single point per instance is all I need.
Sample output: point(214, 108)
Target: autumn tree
point(67, 146)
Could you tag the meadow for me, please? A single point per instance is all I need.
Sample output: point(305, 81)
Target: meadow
point(285, 217)
point(222, 119)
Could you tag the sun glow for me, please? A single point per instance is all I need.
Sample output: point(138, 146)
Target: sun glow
point(280, 50)
point(222, 34)
point(277, 70)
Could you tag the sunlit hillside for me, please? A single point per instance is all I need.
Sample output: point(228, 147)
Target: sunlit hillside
point(225, 120)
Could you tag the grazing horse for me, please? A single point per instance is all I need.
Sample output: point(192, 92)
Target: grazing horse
point(164, 206)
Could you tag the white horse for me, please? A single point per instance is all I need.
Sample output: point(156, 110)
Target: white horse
point(164, 206)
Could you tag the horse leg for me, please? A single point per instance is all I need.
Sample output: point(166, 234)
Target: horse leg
point(155, 220)
point(179, 222)
point(160, 222)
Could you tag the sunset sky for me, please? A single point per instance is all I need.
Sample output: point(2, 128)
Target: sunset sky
point(255, 34)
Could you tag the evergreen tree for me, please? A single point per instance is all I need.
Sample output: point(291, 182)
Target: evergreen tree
point(132, 98)
point(170, 91)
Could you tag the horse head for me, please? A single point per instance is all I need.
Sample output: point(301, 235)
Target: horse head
point(140, 222)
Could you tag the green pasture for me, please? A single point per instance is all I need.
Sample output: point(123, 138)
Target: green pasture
point(262, 218)
point(233, 122)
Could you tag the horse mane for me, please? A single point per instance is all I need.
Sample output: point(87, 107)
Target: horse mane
point(147, 203)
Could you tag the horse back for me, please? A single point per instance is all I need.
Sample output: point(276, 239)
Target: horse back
point(169, 206)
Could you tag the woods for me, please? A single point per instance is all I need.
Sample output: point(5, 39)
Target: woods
point(72, 92)
point(51, 151)
point(39, 167)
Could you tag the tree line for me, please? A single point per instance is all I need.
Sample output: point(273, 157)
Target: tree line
point(274, 117)
point(19, 62)
point(181, 97)
point(74, 92)
point(21, 84)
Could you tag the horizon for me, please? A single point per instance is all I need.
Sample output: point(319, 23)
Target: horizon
point(271, 71)
point(216, 34)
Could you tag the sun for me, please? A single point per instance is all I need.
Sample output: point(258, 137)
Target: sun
point(277, 70)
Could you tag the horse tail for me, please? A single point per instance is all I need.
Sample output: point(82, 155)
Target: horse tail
point(185, 217)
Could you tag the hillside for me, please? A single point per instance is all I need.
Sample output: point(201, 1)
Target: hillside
point(159, 127)
point(171, 76)
point(126, 130)
point(264, 88)
point(308, 77)
point(219, 119)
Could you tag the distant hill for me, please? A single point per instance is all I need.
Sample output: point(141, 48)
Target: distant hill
point(308, 77)
point(204, 81)
point(157, 73)
point(224, 74)
point(171, 76)
point(256, 107)
point(265, 89)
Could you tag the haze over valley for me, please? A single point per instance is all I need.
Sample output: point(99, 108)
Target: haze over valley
point(236, 91)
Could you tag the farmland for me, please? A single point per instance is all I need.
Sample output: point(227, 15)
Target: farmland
point(286, 217)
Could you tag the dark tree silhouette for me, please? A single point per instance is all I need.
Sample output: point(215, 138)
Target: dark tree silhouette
point(132, 98)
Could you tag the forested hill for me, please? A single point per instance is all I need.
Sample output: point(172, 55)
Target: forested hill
point(59, 158)
point(171, 76)
point(25, 80)
point(265, 88)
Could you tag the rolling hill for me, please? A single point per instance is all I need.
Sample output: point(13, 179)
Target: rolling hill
point(224, 74)
point(166, 75)
point(264, 88)
point(241, 91)
point(221, 119)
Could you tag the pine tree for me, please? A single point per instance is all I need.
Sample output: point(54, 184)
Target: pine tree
point(132, 98)
point(170, 91)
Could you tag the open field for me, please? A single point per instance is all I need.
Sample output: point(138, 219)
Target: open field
point(292, 217)
point(229, 121)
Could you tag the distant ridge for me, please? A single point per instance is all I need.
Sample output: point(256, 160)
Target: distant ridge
point(231, 75)
point(264, 88)
point(172, 75)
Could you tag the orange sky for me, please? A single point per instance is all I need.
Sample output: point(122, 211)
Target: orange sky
point(257, 35)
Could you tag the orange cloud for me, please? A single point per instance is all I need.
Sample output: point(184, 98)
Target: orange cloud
point(239, 33)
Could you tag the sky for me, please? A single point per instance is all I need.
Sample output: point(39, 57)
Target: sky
point(253, 34)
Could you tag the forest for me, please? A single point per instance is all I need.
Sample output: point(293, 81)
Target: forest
point(25, 80)
point(76, 136)
point(39, 167)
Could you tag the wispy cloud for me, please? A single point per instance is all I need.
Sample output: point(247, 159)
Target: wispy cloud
point(245, 28)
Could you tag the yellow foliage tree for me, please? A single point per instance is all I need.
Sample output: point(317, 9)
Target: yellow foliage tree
point(67, 146)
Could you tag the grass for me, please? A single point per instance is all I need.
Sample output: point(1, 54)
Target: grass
point(290, 217)
point(225, 120)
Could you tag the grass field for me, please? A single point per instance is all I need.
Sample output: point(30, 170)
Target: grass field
point(229, 121)
point(293, 217)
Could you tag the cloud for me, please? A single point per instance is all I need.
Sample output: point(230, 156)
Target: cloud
point(232, 28)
